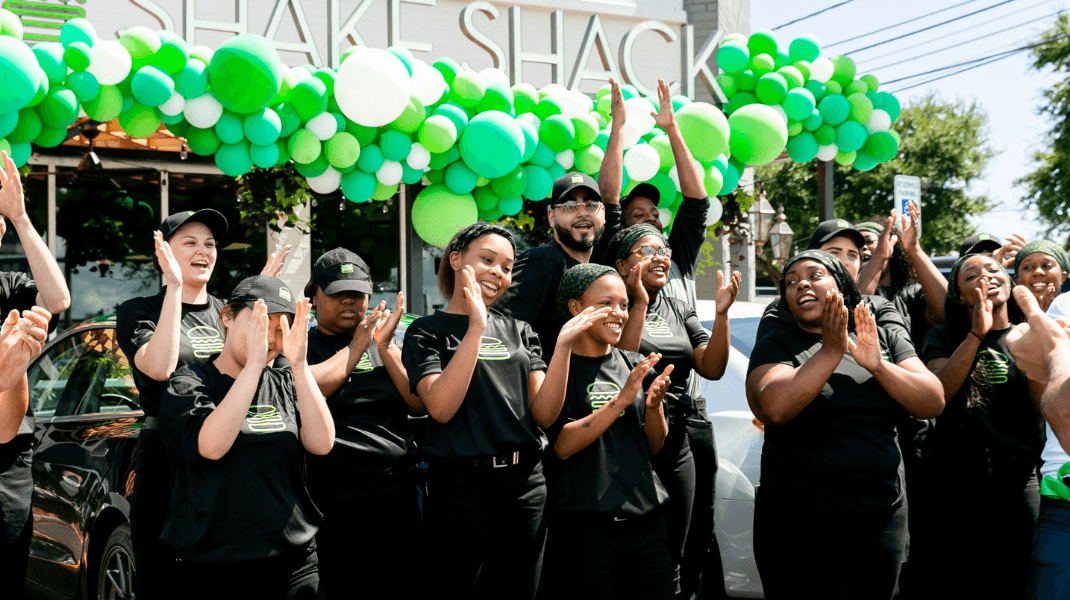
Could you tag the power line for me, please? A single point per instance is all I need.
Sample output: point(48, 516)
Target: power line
point(917, 31)
point(857, 37)
point(912, 86)
point(970, 41)
point(813, 14)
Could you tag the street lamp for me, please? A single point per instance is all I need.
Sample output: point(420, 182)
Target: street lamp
point(760, 216)
point(781, 236)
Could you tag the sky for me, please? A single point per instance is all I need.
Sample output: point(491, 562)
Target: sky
point(1009, 90)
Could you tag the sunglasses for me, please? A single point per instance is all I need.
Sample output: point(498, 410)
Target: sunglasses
point(571, 205)
point(651, 251)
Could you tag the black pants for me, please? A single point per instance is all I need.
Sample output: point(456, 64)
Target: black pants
point(292, 576)
point(675, 466)
point(700, 566)
point(804, 552)
point(153, 560)
point(606, 559)
point(485, 528)
point(16, 520)
point(366, 544)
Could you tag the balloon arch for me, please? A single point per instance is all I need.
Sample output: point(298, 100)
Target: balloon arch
point(384, 117)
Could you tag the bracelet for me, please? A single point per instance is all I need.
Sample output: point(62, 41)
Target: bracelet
point(979, 338)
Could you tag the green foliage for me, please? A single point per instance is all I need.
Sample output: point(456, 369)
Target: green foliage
point(266, 194)
point(944, 143)
point(1045, 187)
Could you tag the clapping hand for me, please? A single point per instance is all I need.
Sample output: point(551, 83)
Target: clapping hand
point(385, 331)
point(726, 294)
point(834, 324)
point(657, 390)
point(172, 271)
point(274, 262)
point(295, 339)
point(575, 326)
point(867, 351)
point(473, 294)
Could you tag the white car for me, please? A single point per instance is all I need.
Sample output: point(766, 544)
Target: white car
point(739, 451)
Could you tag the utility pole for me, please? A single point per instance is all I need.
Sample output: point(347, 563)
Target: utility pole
point(826, 172)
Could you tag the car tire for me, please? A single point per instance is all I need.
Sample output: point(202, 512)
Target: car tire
point(115, 575)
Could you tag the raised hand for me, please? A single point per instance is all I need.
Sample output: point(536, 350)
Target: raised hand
point(617, 112)
point(1039, 341)
point(575, 326)
point(295, 339)
point(12, 202)
point(385, 331)
point(834, 324)
point(981, 314)
point(887, 240)
point(726, 294)
point(867, 352)
point(477, 309)
point(274, 262)
point(1005, 254)
point(639, 371)
point(256, 341)
point(657, 390)
point(633, 281)
point(365, 332)
point(665, 117)
point(172, 271)
point(911, 226)
point(1048, 297)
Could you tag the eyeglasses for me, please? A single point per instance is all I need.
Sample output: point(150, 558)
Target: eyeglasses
point(571, 205)
point(651, 251)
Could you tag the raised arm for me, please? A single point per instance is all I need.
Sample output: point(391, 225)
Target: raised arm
point(711, 360)
point(777, 393)
point(547, 390)
point(317, 425)
point(686, 168)
point(870, 275)
point(159, 357)
point(952, 372)
point(632, 335)
point(933, 283)
point(52, 292)
point(21, 340)
point(332, 373)
point(611, 174)
point(273, 266)
point(391, 356)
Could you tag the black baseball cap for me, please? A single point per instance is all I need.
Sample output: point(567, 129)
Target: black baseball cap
point(212, 218)
point(572, 181)
point(979, 242)
point(827, 230)
point(277, 297)
point(643, 190)
point(338, 271)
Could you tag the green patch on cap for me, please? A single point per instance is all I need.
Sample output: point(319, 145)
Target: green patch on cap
point(189, 212)
point(984, 237)
point(285, 294)
point(843, 224)
point(577, 178)
point(347, 268)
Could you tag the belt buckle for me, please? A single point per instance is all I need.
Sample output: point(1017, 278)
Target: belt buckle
point(619, 519)
point(507, 460)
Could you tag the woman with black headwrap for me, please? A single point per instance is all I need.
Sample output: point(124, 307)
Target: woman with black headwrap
point(671, 328)
point(987, 443)
point(830, 516)
point(1042, 267)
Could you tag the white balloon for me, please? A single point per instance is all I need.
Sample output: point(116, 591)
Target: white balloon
point(325, 183)
point(553, 90)
point(296, 75)
point(390, 173)
point(821, 69)
point(491, 74)
point(566, 159)
point(665, 216)
point(642, 162)
point(639, 114)
point(372, 87)
point(827, 152)
point(780, 112)
point(716, 210)
point(203, 111)
point(880, 121)
point(630, 134)
point(427, 83)
point(323, 126)
point(110, 62)
point(174, 105)
point(531, 119)
point(674, 173)
point(419, 157)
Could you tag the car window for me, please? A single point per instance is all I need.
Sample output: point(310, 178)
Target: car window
point(51, 374)
point(106, 382)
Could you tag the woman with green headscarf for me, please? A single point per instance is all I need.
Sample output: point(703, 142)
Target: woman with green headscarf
point(1042, 267)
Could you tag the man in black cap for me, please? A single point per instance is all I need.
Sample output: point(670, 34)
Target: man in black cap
point(980, 243)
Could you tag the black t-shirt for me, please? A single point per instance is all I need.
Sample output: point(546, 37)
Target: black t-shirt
point(992, 408)
point(673, 329)
point(495, 416)
point(909, 300)
point(840, 452)
point(778, 318)
point(532, 295)
point(613, 475)
point(370, 420)
point(253, 503)
point(201, 337)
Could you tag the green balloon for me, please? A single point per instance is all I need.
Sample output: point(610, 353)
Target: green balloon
point(792, 76)
point(303, 146)
point(851, 136)
point(263, 127)
point(539, 183)
point(327, 76)
point(411, 117)
point(589, 159)
point(202, 142)
point(602, 140)
point(557, 132)
point(825, 135)
point(512, 184)
point(371, 159)
point(234, 159)
point(746, 80)
point(77, 56)
point(266, 156)
point(173, 53)
point(629, 91)
point(525, 98)
point(666, 188)
point(799, 104)
point(871, 82)
point(448, 68)
point(857, 87)
point(152, 86)
point(28, 127)
point(395, 145)
point(531, 140)
point(882, 146)
point(485, 198)
point(739, 100)
point(861, 108)
point(84, 85)
point(805, 47)
point(733, 57)
point(864, 162)
point(813, 121)
point(845, 158)
point(308, 98)
point(60, 108)
point(547, 107)
point(438, 134)
point(50, 137)
point(405, 55)
point(141, 42)
point(804, 68)
point(8, 122)
point(732, 173)
point(343, 150)
point(781, 60)
point(497, 97)
point(816, 88)
point(284, 151)
point(843, 70)
point(875, 99)
point(229, 128)
point(358, 186)
point(762, 41)
point(762, 64)
point(438, 213)
point(511, 206)
point(713, 181)
point(50, 57)
point(439, 161)
point(246, 73)
point(455, 114)
point(890, 105)
point(771, 88)
point(544, 156)
point(192, 80)
point(586, 128)
point(410, 175)
point(384, 192)
point(834, 109)
point(460, 179)
point(727, 83)
point(794, 128)
point(758, 135)
point(288, 119)
point(803, 147)
point(468, 89)
point(140, 121)
point(605, 103)
point(76, 30)
point(313, 169)
point(171, 120)
point(18, 72)
point(365, 135)
point(831, 87)
point(42, 88)
point(493, 144)
point(705, 130)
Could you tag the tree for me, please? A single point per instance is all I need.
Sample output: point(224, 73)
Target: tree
point(1045, 187)
point(944, 143)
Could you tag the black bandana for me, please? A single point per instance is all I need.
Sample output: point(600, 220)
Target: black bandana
point(469, 234)
point(575, 282)
point(621, 244)
point(851, 295)
point(1044, 247)
point(953, 292)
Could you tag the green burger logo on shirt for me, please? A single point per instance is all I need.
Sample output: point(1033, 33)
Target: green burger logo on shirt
point(600, 393)
point(656, 326)
point(364, 366)
point(264, 418)
point(492, 349)
point(996, 365)
point(205, 340)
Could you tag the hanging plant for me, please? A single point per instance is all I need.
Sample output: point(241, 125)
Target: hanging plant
point(270, 197)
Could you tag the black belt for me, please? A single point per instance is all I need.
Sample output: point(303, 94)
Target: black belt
point(502, 461)
point(151, 423)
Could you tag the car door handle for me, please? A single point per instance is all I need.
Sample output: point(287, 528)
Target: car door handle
point(99, 452)
point(73, 479)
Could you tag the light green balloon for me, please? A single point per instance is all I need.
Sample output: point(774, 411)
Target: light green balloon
point(705, 130)
point(411, 117)
point(861, 108)
point(438, 134)
point(60, 108)
point(586, 128)
point(139, 121)
point(468, 89)
point(557, 132)
point(202, 142)
point(758, 135)
point(304, 147)
point(438, 213)
point(589, 159)
point(77, 56)
point(343, 150)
